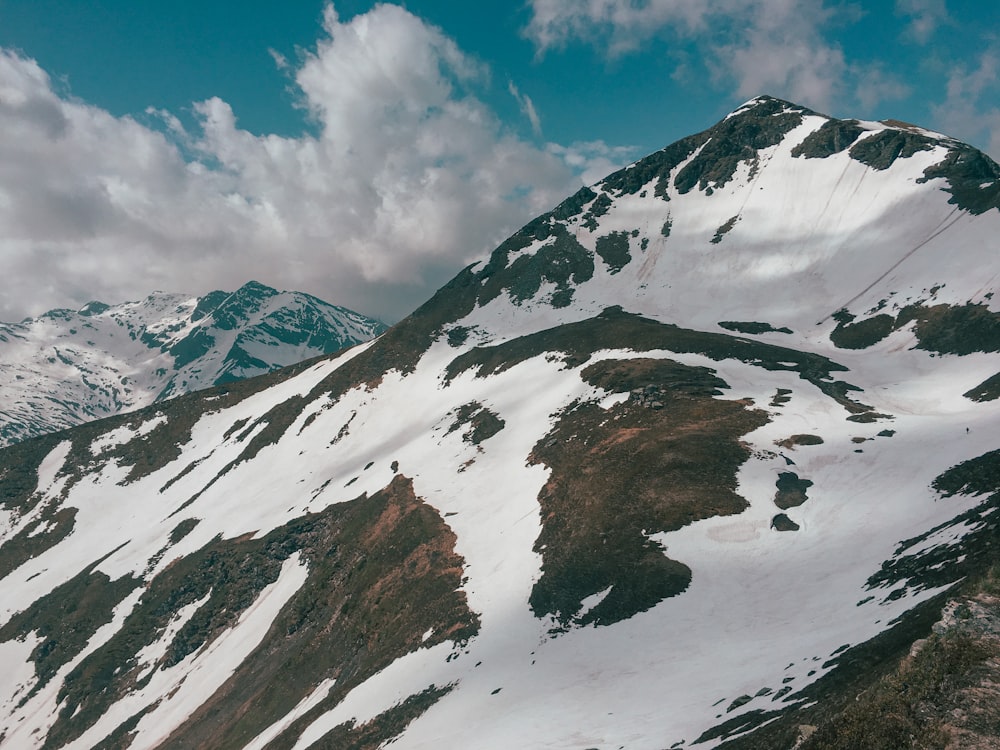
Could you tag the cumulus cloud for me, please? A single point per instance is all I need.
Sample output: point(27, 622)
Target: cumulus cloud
point(407, 176)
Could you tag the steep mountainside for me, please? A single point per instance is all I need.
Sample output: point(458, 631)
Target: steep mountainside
point(67, 367)
point(691, 460)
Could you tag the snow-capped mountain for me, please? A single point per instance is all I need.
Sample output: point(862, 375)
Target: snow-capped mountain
point(691, 460)
point(67, 367)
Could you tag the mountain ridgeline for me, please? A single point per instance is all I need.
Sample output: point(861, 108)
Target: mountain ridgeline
point(66, 367)
point(707, 455)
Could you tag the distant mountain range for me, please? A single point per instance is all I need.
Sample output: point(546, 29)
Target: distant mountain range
point(71, 366)
point(706, 456)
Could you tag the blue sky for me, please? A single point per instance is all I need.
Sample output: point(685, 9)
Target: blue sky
point(366, 152)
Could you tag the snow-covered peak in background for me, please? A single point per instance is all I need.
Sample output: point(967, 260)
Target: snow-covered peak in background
point(691, 460)
point(66, 367)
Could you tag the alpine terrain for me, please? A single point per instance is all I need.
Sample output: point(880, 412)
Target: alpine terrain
point(709, 455)
point(67, 367)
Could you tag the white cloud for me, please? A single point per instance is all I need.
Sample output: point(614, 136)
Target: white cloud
point(876, 85)
point(594, 160)
point(408, 176)
point(527, 108)
point(969, 111)
point(751, 47)
point(925, 16)
point(781, 51)
point(623, 25)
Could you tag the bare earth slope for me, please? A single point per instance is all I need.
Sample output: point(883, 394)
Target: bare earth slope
point(691, 459)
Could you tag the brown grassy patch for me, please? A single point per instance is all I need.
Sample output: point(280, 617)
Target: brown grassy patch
point(382, 571)
point(799, 439)
point(633, 470)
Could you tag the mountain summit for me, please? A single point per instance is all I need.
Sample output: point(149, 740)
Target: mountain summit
point(691, 459)
point(66, 367)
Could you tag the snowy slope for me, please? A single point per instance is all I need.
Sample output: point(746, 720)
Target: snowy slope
point(662, 471)
point(67, 367)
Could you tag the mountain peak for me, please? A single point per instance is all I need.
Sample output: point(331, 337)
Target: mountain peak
point(736, 393)
point(68, 366)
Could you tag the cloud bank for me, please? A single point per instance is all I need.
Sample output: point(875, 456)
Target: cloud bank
point(406, 177)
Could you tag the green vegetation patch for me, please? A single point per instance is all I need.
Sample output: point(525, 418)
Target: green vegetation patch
point(781, 522)
point(19, 464)
point(967, 557)
point(973, 178)
point(45, 531)
point(861, 335)
point(563, 261)
point(944, 329)
point(737, 139)
point(621, 474)
point(912, 707)
point(880, 150)
point(613, 249)
point(616, 329)
point(481, 423)
point(953, 329)
point(599, 208)
point(781, 397)
point(791, 490)
point(988, 390)
point(66, 618)
point(724, 229)
point(830, 138)
point(658, 166)
point(382, 572)
point(379, 732)
point(751, 327)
